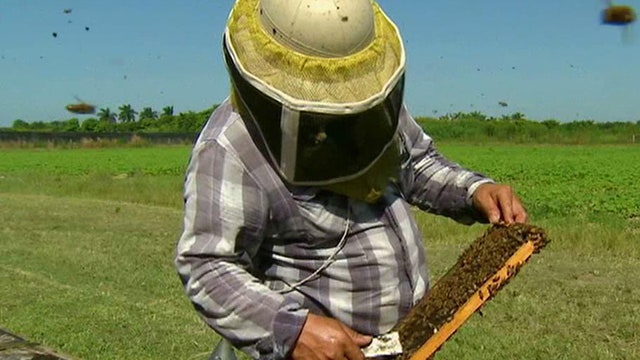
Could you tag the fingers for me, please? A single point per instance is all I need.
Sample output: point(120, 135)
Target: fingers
point(359, 339)
point(519, 213)
point(485, 204)
point(504, 200)
point(352, 350)
point(499, 203)
point(328, 339)
point(512, 210)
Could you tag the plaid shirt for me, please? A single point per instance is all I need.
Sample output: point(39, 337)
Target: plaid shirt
point(249, 238)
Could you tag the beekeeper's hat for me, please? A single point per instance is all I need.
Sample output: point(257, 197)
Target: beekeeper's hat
point(322, 79)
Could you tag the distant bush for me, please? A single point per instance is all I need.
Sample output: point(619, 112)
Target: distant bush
point(516, 129)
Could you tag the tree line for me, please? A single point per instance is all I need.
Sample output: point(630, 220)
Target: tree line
point(126, 120)
point(458, 126)
point(475, 126)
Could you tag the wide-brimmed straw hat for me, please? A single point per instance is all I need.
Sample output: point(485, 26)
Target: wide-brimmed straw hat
point(265, 48)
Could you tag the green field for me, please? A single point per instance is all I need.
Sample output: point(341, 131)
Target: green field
point(87, 239)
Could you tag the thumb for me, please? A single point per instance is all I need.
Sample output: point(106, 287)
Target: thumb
point(359, 339)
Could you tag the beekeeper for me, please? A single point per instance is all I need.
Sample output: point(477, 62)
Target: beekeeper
point(299, 239)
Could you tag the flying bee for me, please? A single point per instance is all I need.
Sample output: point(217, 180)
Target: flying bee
point(619, 15)
point(81, 108)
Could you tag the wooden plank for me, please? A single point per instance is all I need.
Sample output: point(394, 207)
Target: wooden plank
point(482, 295)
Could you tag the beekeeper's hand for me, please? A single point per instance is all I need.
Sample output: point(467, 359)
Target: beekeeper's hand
point(323, 338)
point(499, 203)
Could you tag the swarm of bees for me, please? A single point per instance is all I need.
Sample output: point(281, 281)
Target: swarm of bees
point(619, 15)
point(81, 108)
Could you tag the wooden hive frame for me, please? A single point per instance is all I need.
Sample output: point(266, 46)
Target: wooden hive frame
point(481, 271)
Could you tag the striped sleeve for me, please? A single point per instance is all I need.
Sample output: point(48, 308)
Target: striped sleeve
point(225, 213)
point(439, 186)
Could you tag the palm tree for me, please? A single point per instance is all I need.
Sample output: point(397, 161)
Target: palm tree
point(167, 110)
point(127, 114)
point(517, 116)
point(477, 115)
point(106, 115)
point(148, 113)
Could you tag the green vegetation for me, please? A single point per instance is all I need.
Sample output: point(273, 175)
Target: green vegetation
point(87, 239)
point(477, 128)
point(473, 127)
point(148, 120)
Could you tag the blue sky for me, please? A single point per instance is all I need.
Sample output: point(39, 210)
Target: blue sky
point(546, 59)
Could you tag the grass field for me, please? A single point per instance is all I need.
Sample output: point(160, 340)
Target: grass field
point(87, 239)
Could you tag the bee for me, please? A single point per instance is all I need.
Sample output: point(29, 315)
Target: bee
point(320, 137)
point(619, 15)
point(81, 108)
point(67, 11)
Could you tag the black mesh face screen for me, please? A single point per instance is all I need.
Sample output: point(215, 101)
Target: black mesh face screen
point(328, 146)
point(262, 109)
point(331, 146)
